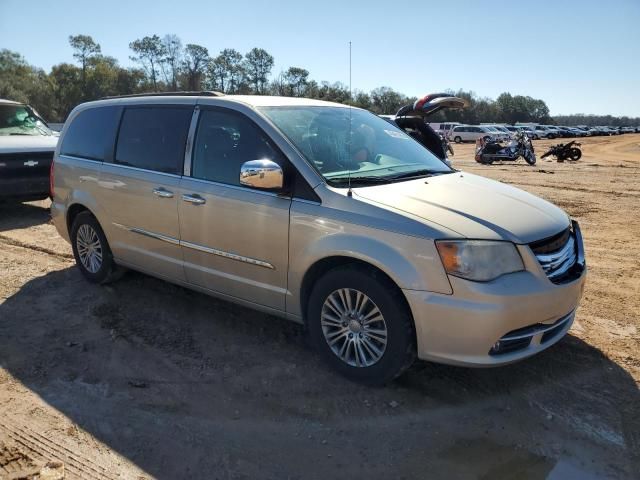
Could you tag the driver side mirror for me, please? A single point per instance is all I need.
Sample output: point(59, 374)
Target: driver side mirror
point(262, 174)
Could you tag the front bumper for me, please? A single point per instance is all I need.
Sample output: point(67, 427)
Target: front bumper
point(463, 328)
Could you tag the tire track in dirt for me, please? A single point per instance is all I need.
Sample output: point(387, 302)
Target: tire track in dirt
point(45, 449)
point(17, 243)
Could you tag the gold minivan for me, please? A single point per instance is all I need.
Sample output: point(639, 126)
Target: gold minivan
point(321, 213)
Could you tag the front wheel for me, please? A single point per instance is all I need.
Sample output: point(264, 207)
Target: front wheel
point(530, 157)
point(575, 154)
point(359, 322)
point(91, 249)
point(457, 139)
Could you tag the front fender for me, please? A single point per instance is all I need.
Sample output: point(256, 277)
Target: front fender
point(411, 262)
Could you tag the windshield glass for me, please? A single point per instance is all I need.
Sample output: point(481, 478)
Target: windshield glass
point(342, 143)
point(21, 120)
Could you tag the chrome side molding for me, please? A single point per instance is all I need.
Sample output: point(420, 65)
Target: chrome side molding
point(198, 247)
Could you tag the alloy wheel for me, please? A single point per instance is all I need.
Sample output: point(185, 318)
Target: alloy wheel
point(89, 248)
point(354, 327)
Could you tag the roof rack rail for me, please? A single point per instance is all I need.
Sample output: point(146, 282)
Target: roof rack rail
point(203, 93)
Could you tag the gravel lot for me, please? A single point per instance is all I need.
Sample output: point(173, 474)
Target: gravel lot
point(143, 379)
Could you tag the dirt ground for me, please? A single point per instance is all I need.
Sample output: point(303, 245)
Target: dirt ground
point(143, 379)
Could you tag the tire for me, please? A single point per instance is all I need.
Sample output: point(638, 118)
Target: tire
point(96, 264)
point(530, 159)
point(457, 139)
point(575, 154)
point(328, 299)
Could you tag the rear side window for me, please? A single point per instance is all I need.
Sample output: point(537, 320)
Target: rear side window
point(153, 138)
point(92, 133)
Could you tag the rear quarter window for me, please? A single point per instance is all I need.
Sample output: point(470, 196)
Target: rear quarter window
point(153, 138)
point(92, 133)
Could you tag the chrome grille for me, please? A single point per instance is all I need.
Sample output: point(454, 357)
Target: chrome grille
point(561, 256)
point(558, 263)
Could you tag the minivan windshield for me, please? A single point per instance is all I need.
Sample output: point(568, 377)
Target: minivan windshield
point(353, 145)
point(21, 120)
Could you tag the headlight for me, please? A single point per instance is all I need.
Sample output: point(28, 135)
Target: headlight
point(479, 260)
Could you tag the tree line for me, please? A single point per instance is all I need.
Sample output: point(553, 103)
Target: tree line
point(165, 64)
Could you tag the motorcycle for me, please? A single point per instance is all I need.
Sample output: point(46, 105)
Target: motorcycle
point(489, 150)
point(562, 152)
point(412, 119)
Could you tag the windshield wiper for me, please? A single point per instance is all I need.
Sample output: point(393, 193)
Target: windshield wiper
point(360, 180)
point(27, 134)
point(415, 174)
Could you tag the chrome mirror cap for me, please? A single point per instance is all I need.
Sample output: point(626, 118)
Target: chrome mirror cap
point(263, 174)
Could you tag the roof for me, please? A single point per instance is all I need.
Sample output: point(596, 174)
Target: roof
point(274, 101)
point(252, 100)
point(199, 93)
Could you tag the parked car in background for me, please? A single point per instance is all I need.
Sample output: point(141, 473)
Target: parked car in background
point(542, 131)
point(565, 132)
point(586, 130)
point(500, 128)
point(578, 132)
point(498, 133)
point(531, 133)
point(26, 150)
point(443, 128)
point(333, 227)
point(557, 133)
point(470, 133)
point(627, 130)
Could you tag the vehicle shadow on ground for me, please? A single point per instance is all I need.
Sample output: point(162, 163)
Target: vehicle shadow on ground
point(14, 215)
point(184, 385)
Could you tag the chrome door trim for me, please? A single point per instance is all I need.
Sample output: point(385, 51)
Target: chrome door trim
point(188, 151)
point(229, 255)
point(147, 233)
point(195, 246)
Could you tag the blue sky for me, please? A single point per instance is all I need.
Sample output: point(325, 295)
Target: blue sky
point(578, 56)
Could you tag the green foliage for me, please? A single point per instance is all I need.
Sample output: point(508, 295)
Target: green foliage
point(196, 59)
point(150, 53)
point(595, 120)
point(258, 65)
point(168, 66)
point(227, 72)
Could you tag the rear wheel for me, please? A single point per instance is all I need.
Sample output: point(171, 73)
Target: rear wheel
point(91, 249)
point(360, 324)
point(457, 139)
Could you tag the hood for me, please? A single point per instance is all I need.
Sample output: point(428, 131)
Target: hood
point(473, 206)
point(27, 143)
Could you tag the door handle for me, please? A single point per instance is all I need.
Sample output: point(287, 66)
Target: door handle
point(195, 199)
point(162, 192)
